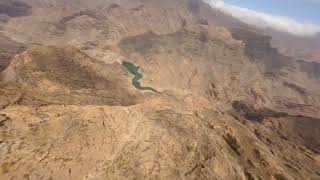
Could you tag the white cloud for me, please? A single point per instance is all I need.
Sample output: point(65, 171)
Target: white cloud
point(263, 20)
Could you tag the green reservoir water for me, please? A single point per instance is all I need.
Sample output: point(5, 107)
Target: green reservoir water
point(134, 70)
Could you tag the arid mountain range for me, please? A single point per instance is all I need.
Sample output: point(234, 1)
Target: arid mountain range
point(226, 103)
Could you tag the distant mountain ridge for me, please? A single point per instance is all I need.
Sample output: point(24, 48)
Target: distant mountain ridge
point(305, 47)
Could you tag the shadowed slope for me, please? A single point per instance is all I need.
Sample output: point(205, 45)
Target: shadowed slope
point(67, 76)
point(8, 49)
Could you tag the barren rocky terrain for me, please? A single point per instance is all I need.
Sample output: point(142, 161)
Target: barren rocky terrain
point(226, 105)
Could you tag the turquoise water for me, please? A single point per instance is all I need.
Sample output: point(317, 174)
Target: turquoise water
point(134, 70)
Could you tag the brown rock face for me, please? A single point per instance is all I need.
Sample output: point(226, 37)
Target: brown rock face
point(229, 106)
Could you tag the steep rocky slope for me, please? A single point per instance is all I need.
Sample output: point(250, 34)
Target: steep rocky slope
point(229, 105)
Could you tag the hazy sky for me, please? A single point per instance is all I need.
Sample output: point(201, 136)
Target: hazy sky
point(298, 17)
point(302, 10)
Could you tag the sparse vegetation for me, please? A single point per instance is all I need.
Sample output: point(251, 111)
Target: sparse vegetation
point(5, 167)
point(191, 148)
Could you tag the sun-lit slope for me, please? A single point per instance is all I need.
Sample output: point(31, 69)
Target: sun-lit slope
point(168, 137)
point(229, 105)
point(77, 22)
